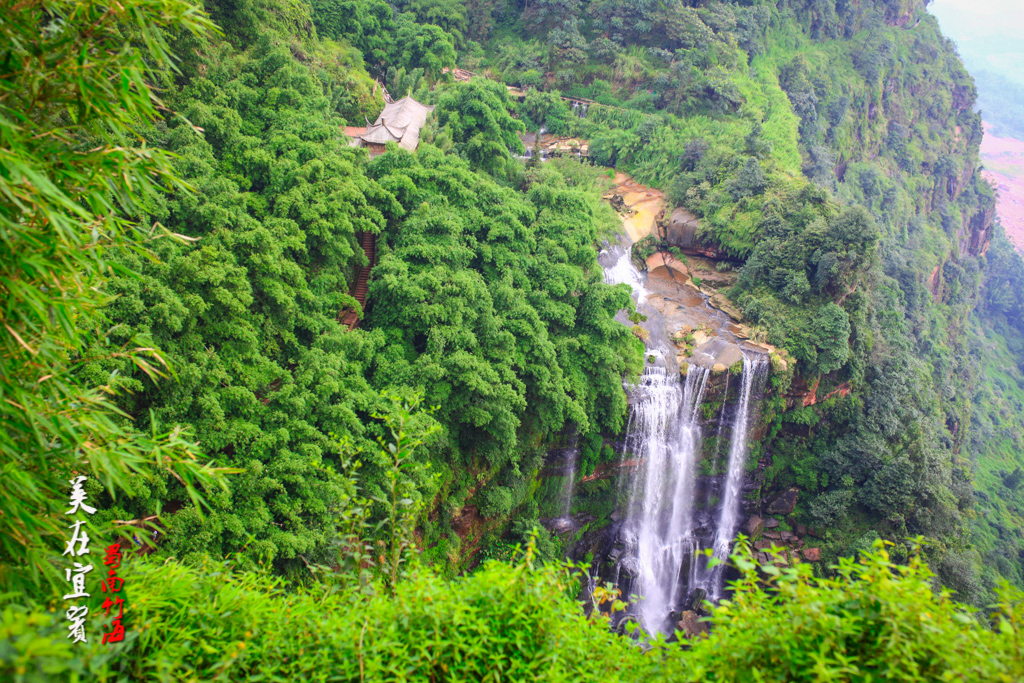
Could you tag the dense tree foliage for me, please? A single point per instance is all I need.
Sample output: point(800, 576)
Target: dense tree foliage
point(367, 25)
point(245, 309)
point(487, 298)
point(491, 302)
point(827, 148)
point(477, 120)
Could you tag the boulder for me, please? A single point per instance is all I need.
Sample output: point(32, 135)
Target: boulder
point(771, 523)
point(811, 554)
point(668, 265)
point(681, 228)
point(773, 535)
point(722, 303)
point(691, 625)
point(788, 536)
point(700, 337)
point(754, 527)
point(784, 504)
point(762, 545)
point(682, 332)
point(801, 530)
point(697, 601)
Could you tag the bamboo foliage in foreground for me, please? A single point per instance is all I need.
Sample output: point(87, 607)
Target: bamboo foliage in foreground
point(75, 82)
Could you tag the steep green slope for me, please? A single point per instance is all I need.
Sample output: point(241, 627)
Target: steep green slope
point(997, 446)
point(996, 437)
point(487, 300)
point(766, 120)
point(830, 148)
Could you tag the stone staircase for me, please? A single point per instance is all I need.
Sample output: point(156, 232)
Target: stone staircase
point(348, 316)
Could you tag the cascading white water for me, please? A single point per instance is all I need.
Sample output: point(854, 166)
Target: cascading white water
point(721, 426)
point(664, 433)
point(753, 372)
point(623, 270)
point(569, 483)
point(662, 534)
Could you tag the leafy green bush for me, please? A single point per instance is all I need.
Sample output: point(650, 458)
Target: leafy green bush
point(210, 623)
point(547, 110)
point(496, 501)
point(873, 620)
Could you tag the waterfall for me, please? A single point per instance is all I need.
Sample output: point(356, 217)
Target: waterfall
point(721, 426)
point(568, 485)
point(664, 433)
point(623, 270)
point(658, 560)
point(753, 373)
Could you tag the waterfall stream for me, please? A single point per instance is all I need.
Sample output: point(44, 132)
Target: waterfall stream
point(570, 481)
point(665, 435)
point(666, 524)
point(754, 371)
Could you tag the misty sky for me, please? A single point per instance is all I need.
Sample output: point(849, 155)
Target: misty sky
point(989, 33)
point(973, 19)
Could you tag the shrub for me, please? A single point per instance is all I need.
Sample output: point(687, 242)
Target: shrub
point(874, 620)
point(496, 501)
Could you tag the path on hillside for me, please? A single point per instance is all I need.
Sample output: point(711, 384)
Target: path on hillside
point(348, 316)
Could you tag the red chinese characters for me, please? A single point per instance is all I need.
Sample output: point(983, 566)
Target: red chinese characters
point(112, 585)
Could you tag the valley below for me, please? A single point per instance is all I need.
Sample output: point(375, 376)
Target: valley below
point(1003, 158)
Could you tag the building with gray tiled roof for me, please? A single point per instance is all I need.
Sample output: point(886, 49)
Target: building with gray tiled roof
point(400, 122)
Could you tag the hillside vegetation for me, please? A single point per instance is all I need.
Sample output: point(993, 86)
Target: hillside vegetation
point(182, 214)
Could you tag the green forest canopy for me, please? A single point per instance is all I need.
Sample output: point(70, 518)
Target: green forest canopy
point(813, 141)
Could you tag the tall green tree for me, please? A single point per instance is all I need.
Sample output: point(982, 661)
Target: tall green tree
point(476, 115)
point(422, 46)
point(366, 24)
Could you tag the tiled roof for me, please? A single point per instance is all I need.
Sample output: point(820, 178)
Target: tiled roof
point(400, 121)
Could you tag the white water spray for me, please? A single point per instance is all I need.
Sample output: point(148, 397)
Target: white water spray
point(569, 483)
point(623, 270)
point(753, 371)
point(665, 434)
